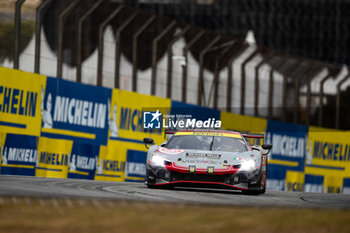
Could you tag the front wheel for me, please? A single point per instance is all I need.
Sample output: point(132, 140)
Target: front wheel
point(251, 192)
point(151, 186)
point(150, 183)
point(263, 190)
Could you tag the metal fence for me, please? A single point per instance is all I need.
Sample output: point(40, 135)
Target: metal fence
point(201, 67)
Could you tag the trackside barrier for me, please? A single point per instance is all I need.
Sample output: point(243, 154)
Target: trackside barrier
point(56, 128)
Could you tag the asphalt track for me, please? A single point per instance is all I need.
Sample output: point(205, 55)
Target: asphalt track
point(72, 188)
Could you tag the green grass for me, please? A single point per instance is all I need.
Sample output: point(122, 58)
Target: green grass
point(48, 215)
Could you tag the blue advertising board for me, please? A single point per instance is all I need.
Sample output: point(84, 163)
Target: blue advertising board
point(346, 186)
point(75, 111)
point(19, 155)
point(313, 183)
point(135, 165)
point(288, 152)
point(183, 111)
point(83, 161)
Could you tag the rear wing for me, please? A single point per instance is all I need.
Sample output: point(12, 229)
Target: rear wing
point(246, 135)
point(254, 139)
point(168, 134)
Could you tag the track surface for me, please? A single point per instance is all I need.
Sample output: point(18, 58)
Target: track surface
point(71, 188)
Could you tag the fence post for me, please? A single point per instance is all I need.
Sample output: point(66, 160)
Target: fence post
point(134, 51)
point(200, 89)
point(38, 24)
point(229, 77)
point(288, 72)
point(308, 94)
point(216, 80)
point(257, 68)
point(271, 88)
point(184, 68)
point(297, 91)
point(80, 38)
point(154, 55)
point(118, 48)
point(243, 78)
point(170, 62)
point(320, 116)
point(61, 21)
point(337, 115)
point(100, 47)
point(214, 85)
point(17, 42)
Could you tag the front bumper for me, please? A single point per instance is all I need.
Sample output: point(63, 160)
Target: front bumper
point(231, 179)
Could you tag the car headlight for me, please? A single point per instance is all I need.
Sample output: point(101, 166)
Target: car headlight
point(248, 165)
point(157, 160)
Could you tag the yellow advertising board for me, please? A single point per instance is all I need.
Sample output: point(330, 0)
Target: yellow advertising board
point(242, 123)
point(20, 101)
point(53, 157)
point(124, 157)
point(126, 120)
point(111, 163)
point(246, 124)
point(328, 155)
point(294, 181)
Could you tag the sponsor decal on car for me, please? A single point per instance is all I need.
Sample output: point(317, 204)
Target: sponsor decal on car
point(170, 151)
point(203, 155)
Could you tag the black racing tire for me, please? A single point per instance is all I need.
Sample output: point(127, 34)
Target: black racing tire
point(251, 192)
point(149, 183)
point(257, 191)
point(151, 186)
point(263, 190)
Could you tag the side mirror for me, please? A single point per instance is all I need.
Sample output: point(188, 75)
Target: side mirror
point(147, 141)
point(267, 147)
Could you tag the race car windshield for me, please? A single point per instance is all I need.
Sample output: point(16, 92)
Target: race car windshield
point(209, 143)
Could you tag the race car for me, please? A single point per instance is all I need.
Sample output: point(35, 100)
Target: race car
point(208, 158)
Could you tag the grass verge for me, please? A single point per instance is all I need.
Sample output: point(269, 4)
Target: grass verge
point(85, 215)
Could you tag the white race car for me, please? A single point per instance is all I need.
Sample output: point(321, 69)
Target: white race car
point(208, 158)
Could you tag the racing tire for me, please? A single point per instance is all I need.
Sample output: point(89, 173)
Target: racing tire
point(149, 183)
point(262, 191)
point(151, 186)
point(257, 191)
point(251, 192)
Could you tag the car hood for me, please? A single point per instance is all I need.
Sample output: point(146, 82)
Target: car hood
point(202, 158)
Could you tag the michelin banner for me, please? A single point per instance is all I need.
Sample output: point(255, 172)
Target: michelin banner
point(328, 157)
point(124, 158)
point(19, 155)
point(20, 99)
point(288, 152)
point(53, 157)
point(81, 116)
